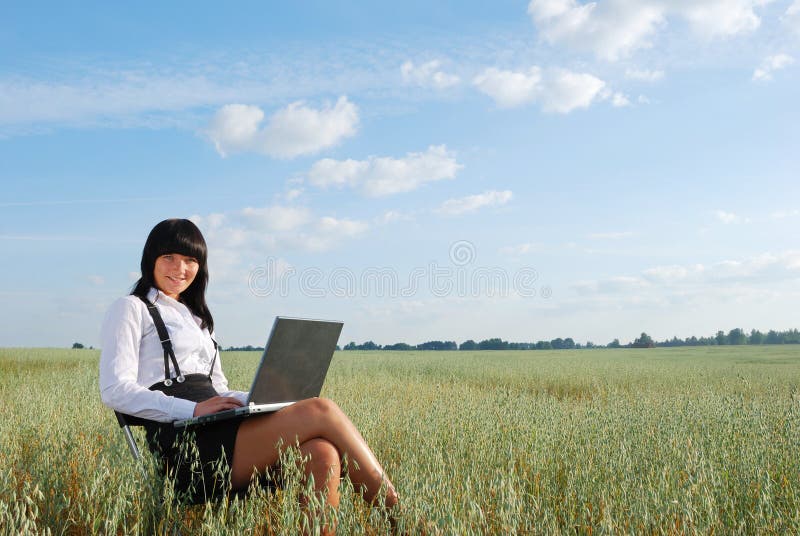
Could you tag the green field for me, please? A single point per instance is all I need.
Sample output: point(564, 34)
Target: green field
point(675, 441)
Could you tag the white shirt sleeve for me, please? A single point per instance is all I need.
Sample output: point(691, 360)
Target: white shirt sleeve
point(119, 365)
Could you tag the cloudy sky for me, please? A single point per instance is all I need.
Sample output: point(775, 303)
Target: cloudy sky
point(446, 170)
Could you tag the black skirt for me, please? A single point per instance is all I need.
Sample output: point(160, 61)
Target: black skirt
point(199, 459)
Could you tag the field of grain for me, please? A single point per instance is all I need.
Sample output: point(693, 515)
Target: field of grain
point(662, 441)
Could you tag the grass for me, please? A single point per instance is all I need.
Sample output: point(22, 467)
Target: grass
point(659, 441)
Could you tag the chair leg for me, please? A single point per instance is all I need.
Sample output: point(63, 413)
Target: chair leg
point(134, 449)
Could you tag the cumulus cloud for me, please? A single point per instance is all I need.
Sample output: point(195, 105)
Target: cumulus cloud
point(427, 75)
point(770, 64)
point(792, 16)
point(471, 203)
point(557, 90)
point(381, 176)
point(292, 131)
point(508, 88)
point(615, 29)
point(250, 233)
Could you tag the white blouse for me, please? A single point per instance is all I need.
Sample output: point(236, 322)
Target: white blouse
point(132, 358)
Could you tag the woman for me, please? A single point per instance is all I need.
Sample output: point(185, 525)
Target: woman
point(139, 377)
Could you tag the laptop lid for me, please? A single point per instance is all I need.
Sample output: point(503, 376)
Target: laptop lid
point(295, 360)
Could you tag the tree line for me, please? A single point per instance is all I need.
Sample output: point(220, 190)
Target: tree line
point(735, 336)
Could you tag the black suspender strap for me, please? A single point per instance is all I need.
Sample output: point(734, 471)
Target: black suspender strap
point(216, 353)
point(166, 343)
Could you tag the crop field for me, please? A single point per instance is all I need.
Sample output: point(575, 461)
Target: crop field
point(659, 441)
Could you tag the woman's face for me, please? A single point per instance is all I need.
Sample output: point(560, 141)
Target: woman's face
point(173, 273)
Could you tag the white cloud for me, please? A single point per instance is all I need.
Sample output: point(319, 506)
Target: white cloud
point(293, 194)
point(97, 280)
point(381, 176)
point(782, 214)
point(471, 203)
point(644, 75)
point(729, 217)
point(695, 279)
point(251, 233)
point(771, 64)
point(507, 88)
point(615, 29)
point(557, 90)
point(566, 91)
point(619, 100)
point(611, 29)
point(427, 75)
point(292, 131)
point(391, 216)
point(792, 16)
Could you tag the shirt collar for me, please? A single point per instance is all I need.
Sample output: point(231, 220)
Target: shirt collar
point(154, 295)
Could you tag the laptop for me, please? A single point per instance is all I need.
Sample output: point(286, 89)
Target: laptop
point(293, 367)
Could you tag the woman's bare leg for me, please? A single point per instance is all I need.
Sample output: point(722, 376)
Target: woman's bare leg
point(258, 439)
point(322, 462)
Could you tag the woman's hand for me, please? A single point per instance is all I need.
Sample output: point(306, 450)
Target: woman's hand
point(216, 404)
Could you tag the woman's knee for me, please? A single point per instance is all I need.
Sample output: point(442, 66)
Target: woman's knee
point(321, 453)
point(324, 408)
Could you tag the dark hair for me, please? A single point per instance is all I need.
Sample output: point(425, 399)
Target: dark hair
point(182, 237)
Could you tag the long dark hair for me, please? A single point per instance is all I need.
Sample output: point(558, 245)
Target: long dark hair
point(182, 237)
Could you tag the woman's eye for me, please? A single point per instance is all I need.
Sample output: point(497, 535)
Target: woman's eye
point(192, 260)
point(167, 257)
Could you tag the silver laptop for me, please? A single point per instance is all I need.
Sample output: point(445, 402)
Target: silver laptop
point(293, 367)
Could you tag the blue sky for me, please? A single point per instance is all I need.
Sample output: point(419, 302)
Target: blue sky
point(524, 170)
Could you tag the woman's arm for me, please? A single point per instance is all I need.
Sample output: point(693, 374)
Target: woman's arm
point(119, 368)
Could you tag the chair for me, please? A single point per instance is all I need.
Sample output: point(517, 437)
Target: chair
point(126, 421)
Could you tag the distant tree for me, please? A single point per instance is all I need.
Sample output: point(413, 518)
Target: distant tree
point(468, 345)
point(736, 336)
point(369, 345)
point(401, 346)
point(493, 344)
point(557, 344)
point(791, 337)
point(756, 337)
point(721, 338)
point(544, 345)
point(569, 344)
point(590, 345)
point(644, 341)
point(438, 345)
point(77, 346)
point(773, 337)
point(350, 346)
point(614, 344)
point(338, 348)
